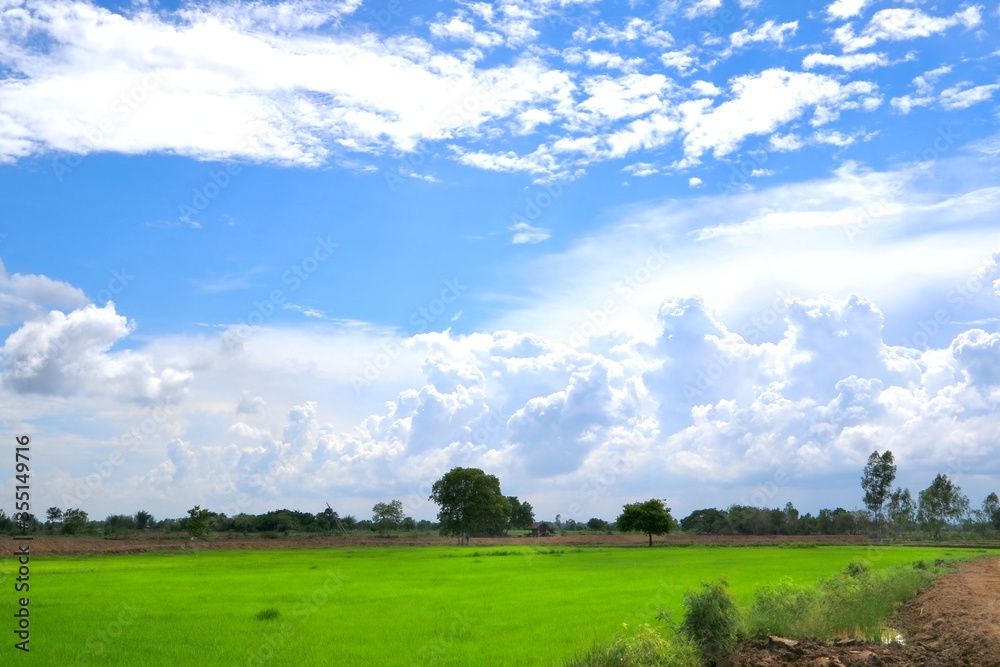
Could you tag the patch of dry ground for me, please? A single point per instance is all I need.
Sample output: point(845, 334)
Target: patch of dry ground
point(954, 623)
point(56, 545)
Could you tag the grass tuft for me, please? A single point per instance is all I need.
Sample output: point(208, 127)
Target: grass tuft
point(268, 614)
point(645, 647)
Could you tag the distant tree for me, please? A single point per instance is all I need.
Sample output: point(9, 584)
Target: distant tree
point(990, 513)
point(789, 519)
point(597, 524)
point(143, 520)
point(941, 503)
point(704, 521)
point(197, 522)
point(879, 474)
point(521, 514)
point(118, 525)
point(408, 523)
point(75, 521)
point(348, 521)
point(387, 516)
point(471, 503)
point(53, 514)
point(651, 517)
point(424, 524)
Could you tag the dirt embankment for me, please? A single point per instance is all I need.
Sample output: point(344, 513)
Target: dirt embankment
point(954, 623)
point(57, 545)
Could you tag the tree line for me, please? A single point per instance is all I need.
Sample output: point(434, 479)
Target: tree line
point(471, 503)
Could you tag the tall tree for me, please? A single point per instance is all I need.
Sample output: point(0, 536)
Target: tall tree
point(941, 503)
point(387, 516)
point(901, 510)
point(522, 515)
point(197, 522)
point(471, 503)
point(143, 520)
point(991, 511)
point(651, 517)
point(880, 473)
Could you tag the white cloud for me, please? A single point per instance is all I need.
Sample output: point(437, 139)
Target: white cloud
point(635, 30)
point(848, 63)
point(903, 24)
point(695, 182)
point(760, 105)
point(962, 96)
point(682, 60)
point(528, 234)
point(457, 28)
point(63, 354)
point(768, 32)
point(26, 297)
point(702, 8)
point(845, 9)
point(197, 85)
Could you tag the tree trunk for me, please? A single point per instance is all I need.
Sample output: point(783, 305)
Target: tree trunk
point(650, 539)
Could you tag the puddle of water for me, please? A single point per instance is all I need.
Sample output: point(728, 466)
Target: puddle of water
point(892, 636)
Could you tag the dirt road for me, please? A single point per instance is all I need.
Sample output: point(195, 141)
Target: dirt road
point(954, 623)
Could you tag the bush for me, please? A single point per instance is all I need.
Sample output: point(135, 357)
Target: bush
point(857, 568)
point(711, 621)
point(644, 648)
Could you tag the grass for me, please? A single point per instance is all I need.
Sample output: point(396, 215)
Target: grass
point(854, 604)
point(386, 607)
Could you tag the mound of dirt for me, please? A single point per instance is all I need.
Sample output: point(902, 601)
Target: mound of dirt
point(954, 623)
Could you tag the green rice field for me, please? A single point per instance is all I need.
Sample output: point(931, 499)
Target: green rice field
point(383, 607)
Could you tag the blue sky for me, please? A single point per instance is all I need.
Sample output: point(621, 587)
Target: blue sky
point(712, 251)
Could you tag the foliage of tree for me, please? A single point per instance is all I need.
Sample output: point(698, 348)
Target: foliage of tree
point(53, 514)
point(651, 517)
point(989, 515)
point(876, 481)
point(942, 503)
point(471, 503)
point(75, 521)
point(387, 516)
point(597, 524)
point(705, 521)
point(901, 511)
point(522, 515)
point(143, 520)
point(197, 522)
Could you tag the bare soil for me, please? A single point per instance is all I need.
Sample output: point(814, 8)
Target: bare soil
point(60, 545)
point(953, 623)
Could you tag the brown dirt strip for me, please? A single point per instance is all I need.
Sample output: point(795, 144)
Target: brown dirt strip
point(65, 545)
point(953, 623)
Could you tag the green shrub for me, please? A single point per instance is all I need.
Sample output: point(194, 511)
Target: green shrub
point(268, 614)
point(857, 568)
point(711, 621)
point(644, 648)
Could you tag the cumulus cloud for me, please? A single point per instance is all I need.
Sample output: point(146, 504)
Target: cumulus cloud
point(26, 296)
point(65, 354)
